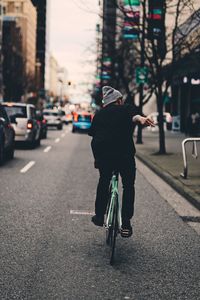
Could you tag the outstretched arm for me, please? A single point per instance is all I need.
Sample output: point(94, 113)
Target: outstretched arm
point(146, 121)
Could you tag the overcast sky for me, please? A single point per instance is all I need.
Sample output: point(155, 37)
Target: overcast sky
point(72, 35)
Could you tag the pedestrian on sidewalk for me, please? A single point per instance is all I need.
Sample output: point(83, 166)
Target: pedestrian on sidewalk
point(113, 149)
point(194, 124)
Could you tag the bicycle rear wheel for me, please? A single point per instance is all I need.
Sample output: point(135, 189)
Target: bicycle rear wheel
point(113, 230)
point(108, 231)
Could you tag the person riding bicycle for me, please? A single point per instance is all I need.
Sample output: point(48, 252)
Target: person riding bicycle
point(113, 149)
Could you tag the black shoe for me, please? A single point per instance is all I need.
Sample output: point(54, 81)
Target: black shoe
point(98, 221)
point(126, 230)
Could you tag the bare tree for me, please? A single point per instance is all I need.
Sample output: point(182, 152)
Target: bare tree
point(162, 54)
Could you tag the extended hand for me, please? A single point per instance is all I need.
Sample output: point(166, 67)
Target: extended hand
point(146, 121)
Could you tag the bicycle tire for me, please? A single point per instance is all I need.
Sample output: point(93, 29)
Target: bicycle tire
point(108, 230)
point(113, 232)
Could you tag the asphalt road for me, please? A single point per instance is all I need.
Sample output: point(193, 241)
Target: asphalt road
point(46, 252)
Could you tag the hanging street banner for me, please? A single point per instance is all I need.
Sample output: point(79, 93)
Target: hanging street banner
point(106, 69)
point(131, 10)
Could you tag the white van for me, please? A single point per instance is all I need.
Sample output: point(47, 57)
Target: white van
point(23, 119)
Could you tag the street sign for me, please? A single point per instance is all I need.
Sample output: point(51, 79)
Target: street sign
point(141, 75)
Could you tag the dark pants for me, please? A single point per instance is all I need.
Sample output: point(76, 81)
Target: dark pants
point(126, 168)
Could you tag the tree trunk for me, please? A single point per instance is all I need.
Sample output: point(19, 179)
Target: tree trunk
point(162, 148)
point(139, 132)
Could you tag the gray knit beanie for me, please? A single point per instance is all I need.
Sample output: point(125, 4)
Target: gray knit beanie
point(110, 95)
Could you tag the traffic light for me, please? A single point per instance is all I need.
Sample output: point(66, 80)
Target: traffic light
point(156, 25)
point(156, 19)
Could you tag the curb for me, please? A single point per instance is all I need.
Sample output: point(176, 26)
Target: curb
point(173, 182)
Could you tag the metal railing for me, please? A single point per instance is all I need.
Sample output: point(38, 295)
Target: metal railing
point(194, 153)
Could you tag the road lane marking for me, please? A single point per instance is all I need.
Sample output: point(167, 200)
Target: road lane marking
point(81, 212)
point(68, 130)
point(47, 149)
point(57, 140)
point(27, 167)
point(63, 135)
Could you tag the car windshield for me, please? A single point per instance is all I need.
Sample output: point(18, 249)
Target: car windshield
point(84, 118)
point(16, 111)
point(48, 113)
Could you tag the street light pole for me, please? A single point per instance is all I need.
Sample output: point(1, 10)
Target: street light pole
point(61, 90)
point(37, 76)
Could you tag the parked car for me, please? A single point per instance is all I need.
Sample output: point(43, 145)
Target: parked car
point(81, 121)
point(53, 118)
point(66, 116)
point(24, 121)
point(167, 119)
point(7, 136)
point(43, 124)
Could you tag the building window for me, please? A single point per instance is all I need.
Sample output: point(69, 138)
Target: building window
point(11, 7)
point(18, 8)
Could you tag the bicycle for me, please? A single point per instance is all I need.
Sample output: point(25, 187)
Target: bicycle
point(113, 215)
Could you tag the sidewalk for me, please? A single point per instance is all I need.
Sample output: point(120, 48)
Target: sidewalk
point(169, 166)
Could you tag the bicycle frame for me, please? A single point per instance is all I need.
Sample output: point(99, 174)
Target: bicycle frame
point(114, 201)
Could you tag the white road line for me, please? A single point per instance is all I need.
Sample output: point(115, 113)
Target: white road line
point(81, 212)
point(47, 149)
point(27, 167)
point(63, 135)
point(68, 130)
point(57, 140)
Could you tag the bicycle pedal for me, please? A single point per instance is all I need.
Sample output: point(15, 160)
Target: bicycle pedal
point(107, 226)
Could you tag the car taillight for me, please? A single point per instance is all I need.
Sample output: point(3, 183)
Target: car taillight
point(29, 125)
point(75, 118)
point(44, 121)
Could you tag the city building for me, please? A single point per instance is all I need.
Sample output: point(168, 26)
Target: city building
point(20, 20)
point(53, 77)
point(175, 32)
point(14, 73)
point(64, 84)
point(186, 79)
point(25, 14)
point(42, 42)
point(108, 45)
point(1, 58)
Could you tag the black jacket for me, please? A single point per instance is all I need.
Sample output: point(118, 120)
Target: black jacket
point(112, 132)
